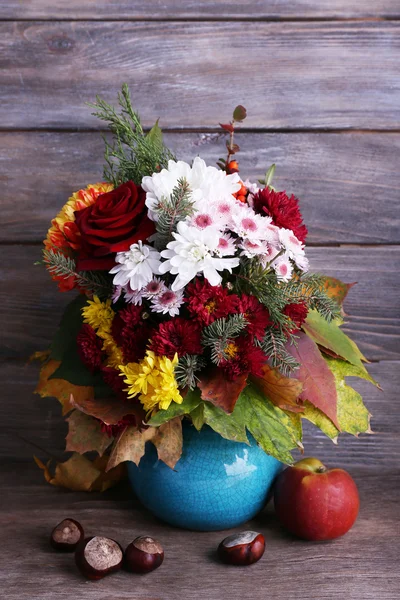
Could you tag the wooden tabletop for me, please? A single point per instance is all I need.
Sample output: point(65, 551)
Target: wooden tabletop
point(321, 83)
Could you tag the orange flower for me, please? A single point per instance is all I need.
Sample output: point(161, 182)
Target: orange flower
point(63, 235)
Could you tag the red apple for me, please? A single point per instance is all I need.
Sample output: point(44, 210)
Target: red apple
point(316, 503)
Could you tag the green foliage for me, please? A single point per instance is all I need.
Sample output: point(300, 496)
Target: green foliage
point(197, 416)
point(131, 154)
point(190, 402)
point(220, 333)
point(353, 416)
point(70, 324)
point(185, 370)
point(231, 427)
point(94, 282)
point(330, 336)
point(270, 426)
point(170, 211)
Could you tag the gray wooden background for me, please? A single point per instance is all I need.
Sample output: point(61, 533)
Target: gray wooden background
point(321, 82)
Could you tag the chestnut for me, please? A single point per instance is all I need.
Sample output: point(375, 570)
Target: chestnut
point(66, 535)
point(98, 556)
point(244, 548)
point(143, 555)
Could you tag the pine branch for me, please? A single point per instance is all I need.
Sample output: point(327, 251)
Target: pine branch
point(274, 347)
point(132, 154)
point(185, 370)
point(172, 210)
point(91, 281)
point(220, 334)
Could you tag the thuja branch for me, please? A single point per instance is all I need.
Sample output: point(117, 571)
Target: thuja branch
point(132, 154)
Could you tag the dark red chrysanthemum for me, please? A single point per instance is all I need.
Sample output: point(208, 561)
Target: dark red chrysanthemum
point(114, 430)
point(131, 332)
point(284, 211)
point(207, 303)
point(113, 379)
point(178, 335)
point(297, 313)
point(256, 314)
point(244, 357)
point(89, 348)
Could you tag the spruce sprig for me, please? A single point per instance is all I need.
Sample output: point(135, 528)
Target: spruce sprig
point(93, 282)
point(220, 334)
point(171, 210)
point(274, 347)
point(132, 154)
point(185, 370)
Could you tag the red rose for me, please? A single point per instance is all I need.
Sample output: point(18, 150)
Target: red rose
point(115, 221)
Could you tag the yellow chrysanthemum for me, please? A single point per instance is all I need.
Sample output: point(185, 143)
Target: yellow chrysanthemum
point(114, 354)
point(99, 315)
point(153, 379)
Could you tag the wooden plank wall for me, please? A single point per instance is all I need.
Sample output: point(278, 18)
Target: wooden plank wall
point(321, 84)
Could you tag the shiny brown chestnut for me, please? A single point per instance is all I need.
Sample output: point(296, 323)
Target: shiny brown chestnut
point(66, 536)
point(143, 555)
point(98, 556)
point(244, 548)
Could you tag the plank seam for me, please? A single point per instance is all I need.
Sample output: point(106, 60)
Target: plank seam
point(222, 19)
point(215, 130)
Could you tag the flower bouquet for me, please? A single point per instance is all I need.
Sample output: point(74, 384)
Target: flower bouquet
point(194, 304)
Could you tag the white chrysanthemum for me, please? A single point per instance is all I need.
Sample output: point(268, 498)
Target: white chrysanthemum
point(154, 288)
point(195, 251)
point(283, 267)
point(116, 295)
point(136, 266)
point(168, 302)
point(290, 242)
point(133, 296)
point(269, 255)
point(247, 224)
point(226, 245)
point(302, 262)
point(251, 249)
point(205, 182)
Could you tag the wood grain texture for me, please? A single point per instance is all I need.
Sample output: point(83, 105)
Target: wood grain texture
point(31, 312)
point(303, 75)
point(359, 566)
point(37, 421)
point(348, 184)
point(192, 9)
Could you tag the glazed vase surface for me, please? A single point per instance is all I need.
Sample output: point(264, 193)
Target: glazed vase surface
point(217, 484)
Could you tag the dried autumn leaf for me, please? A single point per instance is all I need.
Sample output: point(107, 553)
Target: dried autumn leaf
point(282, 391)
point(80, 474)
point(85, 434)
point(108, 410)
point(61, 389)
point(337, 289)
point(218, 390)
point(318, 381)
point(168, 441)
point(130, 445)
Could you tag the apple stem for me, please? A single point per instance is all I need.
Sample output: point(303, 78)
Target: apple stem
point(321, 469)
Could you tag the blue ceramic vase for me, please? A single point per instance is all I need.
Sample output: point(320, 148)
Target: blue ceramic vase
point(217, 484)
